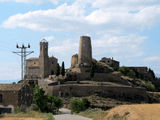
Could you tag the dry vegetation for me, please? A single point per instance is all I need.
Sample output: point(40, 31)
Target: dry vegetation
point(126, 112)
point(32, 115)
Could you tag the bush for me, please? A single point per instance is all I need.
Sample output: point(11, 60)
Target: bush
point(124, 70)
point(78, 105)
point(17, 110)
point(127, 72)
point(34, 107)
point(150, 86)
point(86, 103)
point(46, 103)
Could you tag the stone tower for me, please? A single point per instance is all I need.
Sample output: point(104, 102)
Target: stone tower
point(74, 60)
point(43, 59)
point(85, 50)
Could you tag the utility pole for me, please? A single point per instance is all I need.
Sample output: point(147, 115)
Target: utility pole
point(23, 53)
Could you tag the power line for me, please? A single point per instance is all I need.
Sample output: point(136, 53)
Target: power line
point(23, 53)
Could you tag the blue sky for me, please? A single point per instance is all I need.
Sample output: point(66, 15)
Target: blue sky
point(127, 30)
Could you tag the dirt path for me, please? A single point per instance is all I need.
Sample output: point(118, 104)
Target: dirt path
point(66, 115)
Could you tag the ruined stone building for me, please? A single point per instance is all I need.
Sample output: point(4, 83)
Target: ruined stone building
point(43, 66)
point(16, 95)
point(111, 62)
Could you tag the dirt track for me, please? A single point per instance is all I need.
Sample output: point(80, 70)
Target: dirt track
point(136, 112)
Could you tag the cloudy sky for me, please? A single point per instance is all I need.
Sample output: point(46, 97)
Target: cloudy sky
point(127, 30)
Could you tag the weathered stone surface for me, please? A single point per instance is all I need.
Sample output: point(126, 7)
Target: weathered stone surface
point(74, 60)
point(43, 66)
point(85, 50)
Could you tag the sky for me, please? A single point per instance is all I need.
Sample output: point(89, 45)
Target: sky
point(127, 30)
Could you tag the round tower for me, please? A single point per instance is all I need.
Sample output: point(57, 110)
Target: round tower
point(74, 60)
point(85, 50)
point(43, 59)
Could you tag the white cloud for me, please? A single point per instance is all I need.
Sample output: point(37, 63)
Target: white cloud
point(75, 18)
point(49, 38)
point(31, 1)
point(153, 59)
point(113, 22)
point(62, 18)
point(64, 47)
point(9, 71)
point(126, 46)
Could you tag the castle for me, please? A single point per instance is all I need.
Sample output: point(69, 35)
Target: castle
point(108, 81)
point(43, 66)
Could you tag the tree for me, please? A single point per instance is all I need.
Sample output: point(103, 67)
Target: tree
point(63, 69)
point(92, 71)
point(152, 73)
point(46, 103)
point(78, 105)
point(39, 98)
point(58, 70)
point(58, 102)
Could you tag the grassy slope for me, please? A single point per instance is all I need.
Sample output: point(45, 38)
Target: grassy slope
point(97, 114)
point(32, 115)
point(126, 112)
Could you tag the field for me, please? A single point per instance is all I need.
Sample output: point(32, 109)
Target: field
point(32, 115)
point(126, 112)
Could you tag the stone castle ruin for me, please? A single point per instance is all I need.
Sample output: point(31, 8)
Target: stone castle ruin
point(108, 81)
point(43, 66)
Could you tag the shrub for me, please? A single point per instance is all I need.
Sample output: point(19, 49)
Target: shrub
point(131, 74)
point(46, 103)
point(127, 72)
point(124, 70)
point(78, 105)
point(17, 110)
point(86, 103)
point(150, 86)
point(58, 102)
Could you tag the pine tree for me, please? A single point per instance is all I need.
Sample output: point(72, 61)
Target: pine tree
point(63, 69)
point(58, 70)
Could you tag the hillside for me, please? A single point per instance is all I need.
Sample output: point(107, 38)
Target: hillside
point(136, 112)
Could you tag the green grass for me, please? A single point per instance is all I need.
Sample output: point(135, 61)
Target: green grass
point(97, 114)
point(32, 114)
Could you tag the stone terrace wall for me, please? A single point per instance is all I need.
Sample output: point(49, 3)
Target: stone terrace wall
point(126, 93)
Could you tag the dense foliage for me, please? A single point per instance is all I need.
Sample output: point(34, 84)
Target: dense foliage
point(127, 72)
point(46, 103)
point(78, 105)
point(63, 69)
point(149, 86)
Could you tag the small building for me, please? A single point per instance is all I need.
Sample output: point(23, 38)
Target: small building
point(14, 95)
point(43, 66)
point(111, 62)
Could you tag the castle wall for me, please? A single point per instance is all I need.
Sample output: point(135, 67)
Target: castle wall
point(138, 94)
point(32, 67)
point(52, 65)
point(85, 50)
